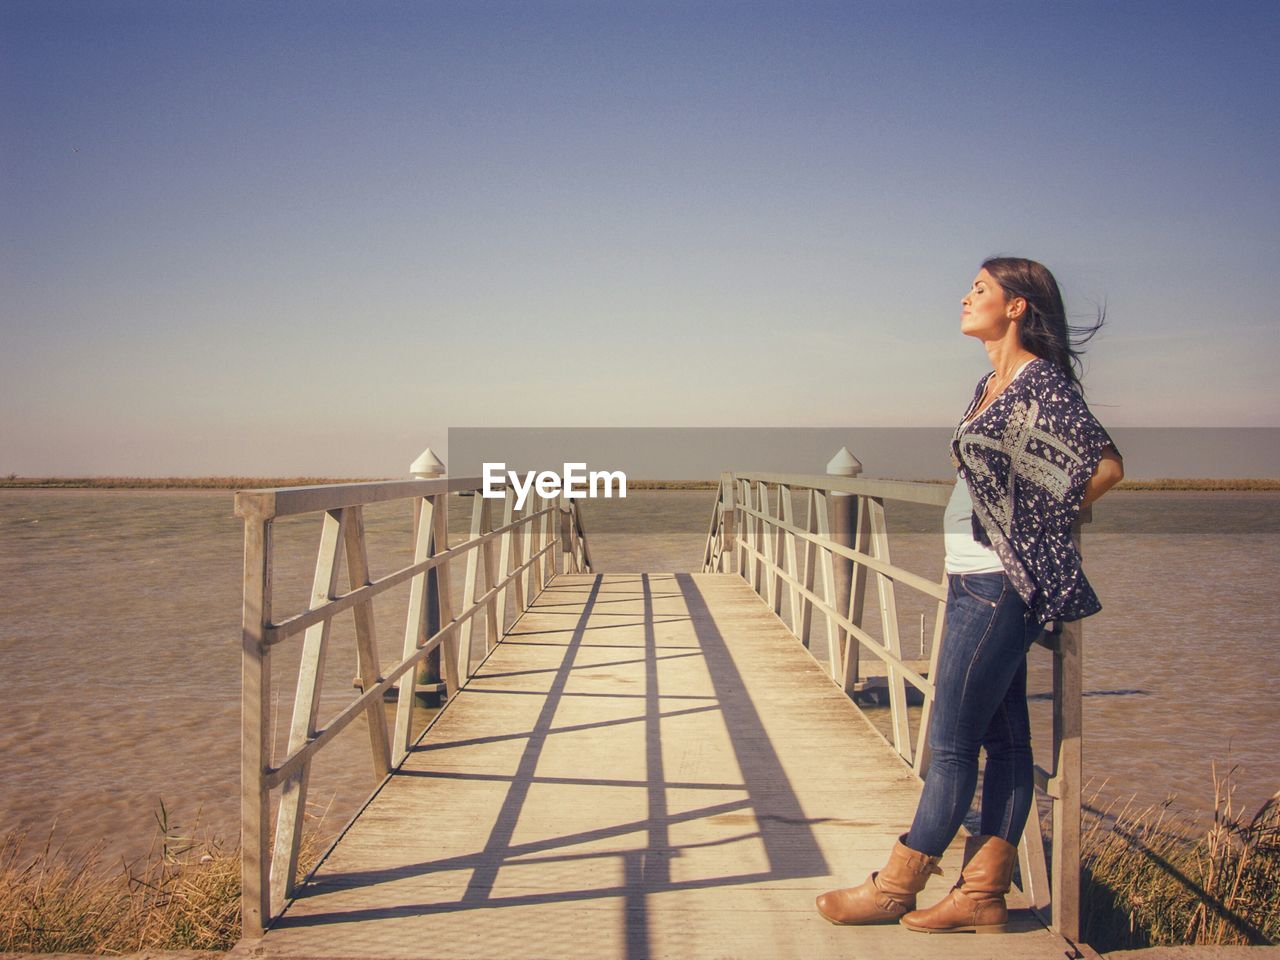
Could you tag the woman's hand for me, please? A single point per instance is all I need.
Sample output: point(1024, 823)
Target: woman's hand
point(1107, 474)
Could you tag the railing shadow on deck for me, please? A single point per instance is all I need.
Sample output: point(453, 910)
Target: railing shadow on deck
point(755, 533)
point(749, 535)
point(786, 835)
point(513, 555)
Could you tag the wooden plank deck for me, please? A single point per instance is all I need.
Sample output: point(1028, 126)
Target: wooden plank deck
point(649, 766)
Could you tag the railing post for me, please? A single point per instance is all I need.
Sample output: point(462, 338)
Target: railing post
point(428, 467)
point(582, 549)
point(466, 631)
point(544, 567)
point(255, 741)
point(530, 587)
point(568, 558)
point(1067, 727)
point(844, 522)
point(759, 567)
point(368, 669)
point(291, 813)
point(727, 546)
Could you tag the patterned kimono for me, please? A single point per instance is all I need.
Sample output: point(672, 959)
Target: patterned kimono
point(1027, 459)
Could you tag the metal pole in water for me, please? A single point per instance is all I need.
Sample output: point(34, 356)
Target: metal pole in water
point(843, 531)
point(428, 467)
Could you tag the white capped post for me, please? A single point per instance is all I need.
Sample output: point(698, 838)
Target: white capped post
point(427, 465)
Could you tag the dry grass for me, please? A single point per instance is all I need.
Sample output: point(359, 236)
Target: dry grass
point(184, 895)
point(1153, 877)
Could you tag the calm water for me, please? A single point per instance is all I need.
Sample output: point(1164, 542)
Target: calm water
point(119, 625)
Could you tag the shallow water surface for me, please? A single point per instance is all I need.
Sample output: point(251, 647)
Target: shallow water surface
point(120, 613)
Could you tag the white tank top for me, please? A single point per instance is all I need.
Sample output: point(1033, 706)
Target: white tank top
point(965, 554)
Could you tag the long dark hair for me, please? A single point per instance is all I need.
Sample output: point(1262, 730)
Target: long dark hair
point(1044, 330)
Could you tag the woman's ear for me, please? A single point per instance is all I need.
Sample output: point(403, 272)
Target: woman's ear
point(1016, 308)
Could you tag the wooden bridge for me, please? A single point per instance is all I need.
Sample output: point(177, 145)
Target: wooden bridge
point(629, 764)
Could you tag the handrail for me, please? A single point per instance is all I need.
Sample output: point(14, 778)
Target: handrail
point(754, 534)
point(519, 554)
point(295, 624)
point(290, 501)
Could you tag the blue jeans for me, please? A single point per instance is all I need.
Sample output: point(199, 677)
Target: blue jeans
point(980, 701)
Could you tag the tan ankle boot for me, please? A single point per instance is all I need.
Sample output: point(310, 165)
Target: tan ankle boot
point(976, 903)
point(887, 894)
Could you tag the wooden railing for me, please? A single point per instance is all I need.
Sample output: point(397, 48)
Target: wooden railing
point(754, 533)
point(518, 554)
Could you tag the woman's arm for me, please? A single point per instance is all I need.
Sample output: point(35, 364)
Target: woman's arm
point(1109, 472)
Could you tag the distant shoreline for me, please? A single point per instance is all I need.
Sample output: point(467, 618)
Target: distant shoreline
point(252, 483)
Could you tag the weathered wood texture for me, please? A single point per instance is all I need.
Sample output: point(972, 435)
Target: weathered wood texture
point(647, 766)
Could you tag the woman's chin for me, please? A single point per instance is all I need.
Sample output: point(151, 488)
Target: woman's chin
point(977, 332)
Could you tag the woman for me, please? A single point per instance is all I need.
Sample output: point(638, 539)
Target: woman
point(1029, 455)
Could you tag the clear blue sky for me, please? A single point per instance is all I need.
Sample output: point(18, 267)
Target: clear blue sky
point(267, 238)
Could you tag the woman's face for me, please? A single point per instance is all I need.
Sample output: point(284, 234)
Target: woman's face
point(985, 313)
